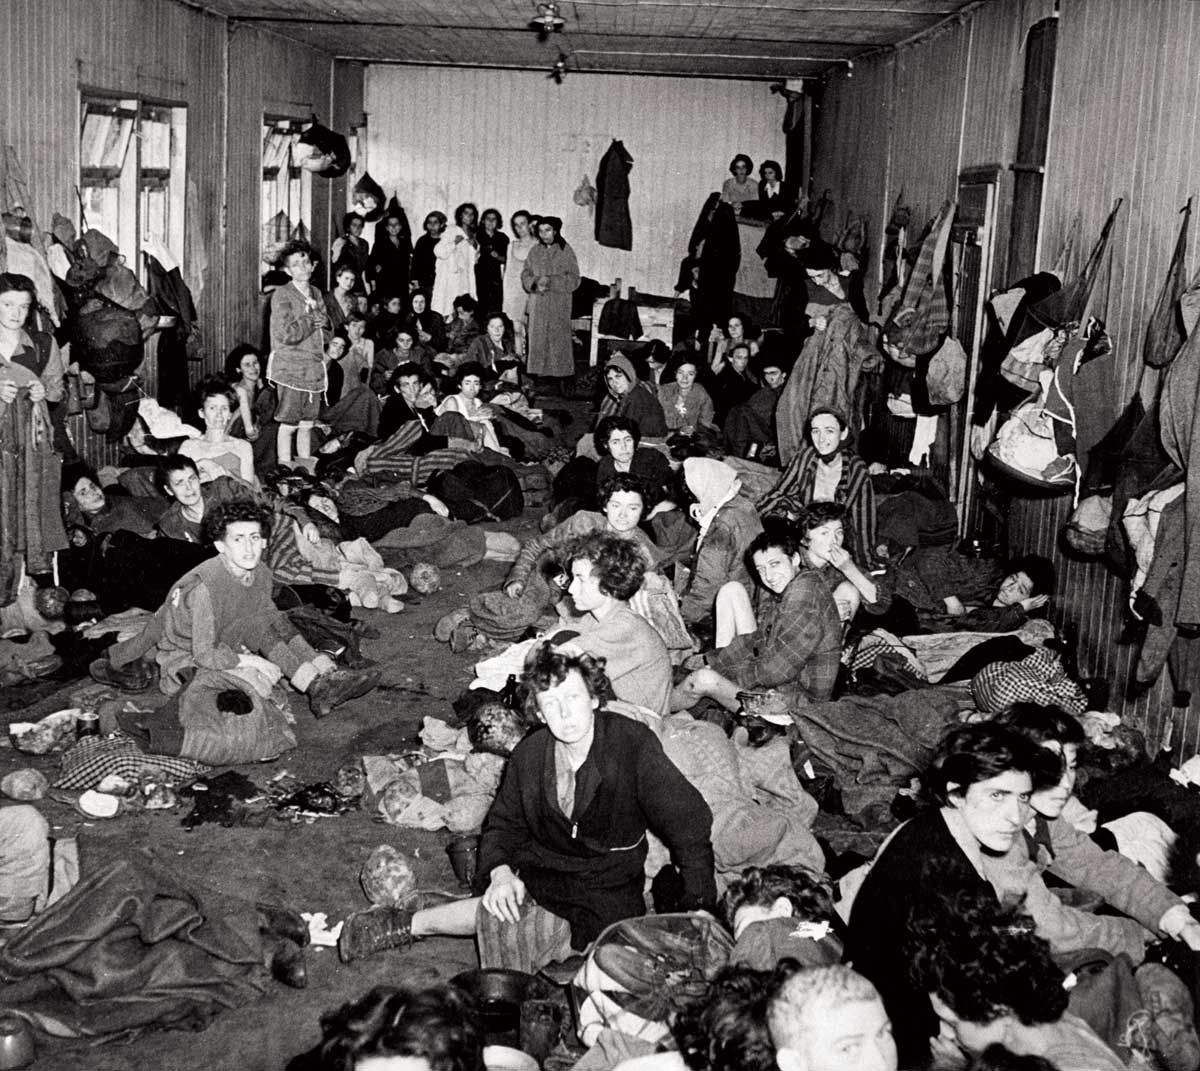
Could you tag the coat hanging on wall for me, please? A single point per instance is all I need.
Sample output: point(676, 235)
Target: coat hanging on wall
point(614, 227)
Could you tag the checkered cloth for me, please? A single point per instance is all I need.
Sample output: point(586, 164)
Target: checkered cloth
point(1039, 678)
point(922, 317)
point(95, 757)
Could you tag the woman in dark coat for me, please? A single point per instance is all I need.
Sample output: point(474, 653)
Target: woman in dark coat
point(489, 267)
point(428, 328)
point(391, 254)
point(564, 845)
point(424, 262)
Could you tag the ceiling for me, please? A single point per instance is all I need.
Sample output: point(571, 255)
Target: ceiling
point(770, 39)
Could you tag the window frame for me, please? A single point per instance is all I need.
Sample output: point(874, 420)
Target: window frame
point(135, 182)
point(298, 188)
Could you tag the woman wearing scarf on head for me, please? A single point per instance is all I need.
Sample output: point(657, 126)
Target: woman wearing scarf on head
point(550, 277)
point(391, 255)
point(630, 397)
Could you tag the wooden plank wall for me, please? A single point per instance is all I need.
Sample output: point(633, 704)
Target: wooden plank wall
point(165, 51)
point(1124, 123)
point(514, 139)
point(267, 74)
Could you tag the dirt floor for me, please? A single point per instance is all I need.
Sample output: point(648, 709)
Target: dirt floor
point(308, 867)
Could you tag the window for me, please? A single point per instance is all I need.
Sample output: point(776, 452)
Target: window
point(286, 187)
point(131, 171)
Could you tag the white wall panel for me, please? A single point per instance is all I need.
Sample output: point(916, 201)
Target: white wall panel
point(514, 139)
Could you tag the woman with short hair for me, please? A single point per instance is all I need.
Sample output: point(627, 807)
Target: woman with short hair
point(550, 277)
point(489, 268)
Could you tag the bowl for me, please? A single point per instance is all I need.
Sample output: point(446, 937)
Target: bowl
point(499, 995)
point(505, 1058)
point(16, 1043)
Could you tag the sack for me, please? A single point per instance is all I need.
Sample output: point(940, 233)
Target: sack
point(474, 492)
point(216, 737)
point(641, 971)
point(1087, 530)
point(330, 152)
point(116, 408)
point(108, 341)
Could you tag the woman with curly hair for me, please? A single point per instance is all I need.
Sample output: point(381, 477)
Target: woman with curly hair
point(741, 187)
point(980, 782)
point(605, 572)
point(781, 911)
point(563, 849)
point(990, 981)
point(435, 1029)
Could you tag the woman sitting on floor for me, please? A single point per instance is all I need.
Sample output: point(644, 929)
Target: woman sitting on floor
point(687, 406)
point(467, 404)
point(793, 643)
point(529, 593)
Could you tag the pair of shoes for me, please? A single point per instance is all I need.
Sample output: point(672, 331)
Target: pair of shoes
point(135, 677)
point(284, 936)
point(378, 928)
point(338, 686)
point(1172, 1033)
point(445, 627)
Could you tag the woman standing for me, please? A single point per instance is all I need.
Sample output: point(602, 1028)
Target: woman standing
point(515, 298)
point(351, 248)
point(489, 268)
point(424, 260)
point(550, 277)
point(456, 252)
point(341, 300)
point(391, 256)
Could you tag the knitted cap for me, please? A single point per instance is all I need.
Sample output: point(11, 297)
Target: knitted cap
point(623, 364)
point(709, 480)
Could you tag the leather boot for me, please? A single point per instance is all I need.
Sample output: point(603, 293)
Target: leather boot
point(280, 922)
point(285, 960)
point(366, 932)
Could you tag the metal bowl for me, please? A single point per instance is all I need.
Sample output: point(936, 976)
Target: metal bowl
point(16, 1042)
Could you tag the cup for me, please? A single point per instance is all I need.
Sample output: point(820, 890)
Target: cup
point(464, 858)
point(87, 723)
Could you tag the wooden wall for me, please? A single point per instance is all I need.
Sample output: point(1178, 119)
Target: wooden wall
point(162, 50)
point(514, 139)
point(1123, 123)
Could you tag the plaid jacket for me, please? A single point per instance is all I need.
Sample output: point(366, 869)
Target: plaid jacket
point(797, 646)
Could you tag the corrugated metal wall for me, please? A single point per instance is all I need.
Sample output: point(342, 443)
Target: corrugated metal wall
point(163, 51)
point(1123, 123)
point(514, 139)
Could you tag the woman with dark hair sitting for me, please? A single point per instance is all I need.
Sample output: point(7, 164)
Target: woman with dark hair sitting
point(466, 403)
point(618, 440)
point(254, 420)
point(989, 980)
point(434, 1029)
point(563, 849)
point(741, 188)
point(462, 328)
point(427, 327)
point(775, 197)
point(980, 782)
point(794, 642)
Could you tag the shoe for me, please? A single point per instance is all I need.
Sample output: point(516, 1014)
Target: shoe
point(1172, 1032)
point(135, 677)
point(445, 627)
point(465, 638)
point(338, 686)
point(285, 961)
point(378, 928)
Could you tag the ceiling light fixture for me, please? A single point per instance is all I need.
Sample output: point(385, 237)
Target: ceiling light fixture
point(547, 20)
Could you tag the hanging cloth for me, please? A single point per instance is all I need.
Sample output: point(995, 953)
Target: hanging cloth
point(1164, 331)
point(1069, 305)
point(921, 317)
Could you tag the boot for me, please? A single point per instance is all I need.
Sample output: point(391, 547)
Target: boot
point(366, 932)
point(338, 686)
point(1172, 1032)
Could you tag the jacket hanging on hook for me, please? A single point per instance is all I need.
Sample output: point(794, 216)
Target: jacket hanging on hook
point(614, 227)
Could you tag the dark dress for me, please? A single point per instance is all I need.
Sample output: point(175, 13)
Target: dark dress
point(424, 263)
point(431, 324)
point(388, 268)
point(489, 271)
point(730, 388)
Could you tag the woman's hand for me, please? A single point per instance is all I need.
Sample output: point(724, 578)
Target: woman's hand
point(1034, 602)
point(310, 532)
point(487, 411)
point(839, 558)
point(437, 505)
point(37, 391)
point(505, 895)
point(8, 391)
point(954, 606)
point(515, 589)
point(819, 323)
